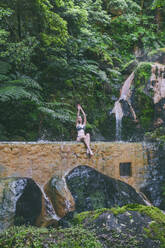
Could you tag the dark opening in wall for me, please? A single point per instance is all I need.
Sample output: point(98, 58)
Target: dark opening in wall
point(125, 169)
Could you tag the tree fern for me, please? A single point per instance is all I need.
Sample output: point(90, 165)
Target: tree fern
point(17, 93)
point(58, 111)
point(24, 88)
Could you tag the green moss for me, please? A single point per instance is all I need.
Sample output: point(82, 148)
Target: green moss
point(143, 100)
point(29, 237)
point(153, 212)
point(156, 51)
point(157, 135)
point(90, 215)
point(162, 49)
point(130, 65)
point(79, 218)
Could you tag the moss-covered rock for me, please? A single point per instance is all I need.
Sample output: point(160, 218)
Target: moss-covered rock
point(142, 96)
point(157, 55)
point(130, 67)
point(129, 226)
point(142, 74)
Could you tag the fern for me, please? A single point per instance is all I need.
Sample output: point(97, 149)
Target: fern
point(16, 93)
point(60, 114)
point(26, 82)
point(3, 78)
point(23, 88)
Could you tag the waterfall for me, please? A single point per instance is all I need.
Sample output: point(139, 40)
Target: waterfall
point(118, 111)
point(48, 207)
point(119, 116)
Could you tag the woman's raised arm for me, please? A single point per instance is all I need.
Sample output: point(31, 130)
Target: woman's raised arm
point(84, 115)
point(78, 113)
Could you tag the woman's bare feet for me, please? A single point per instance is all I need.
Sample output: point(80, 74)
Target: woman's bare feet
point(89, 152)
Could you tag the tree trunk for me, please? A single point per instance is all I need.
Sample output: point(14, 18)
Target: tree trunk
point(158, 17)
point(19, 20)
point(142, 5)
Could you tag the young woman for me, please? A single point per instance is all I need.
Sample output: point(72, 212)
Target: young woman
point(80, 126)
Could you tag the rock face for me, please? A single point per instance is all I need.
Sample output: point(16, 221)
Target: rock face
point(20, 202)
point(141, 104)
point(92, 190)
point(154, 185)
point(59, 195)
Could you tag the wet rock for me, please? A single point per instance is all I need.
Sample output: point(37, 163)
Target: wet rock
point(48, 217)
point(157, 56)
point(92, 190)
point(20, 202)
point(129, 67)
point(59, 195)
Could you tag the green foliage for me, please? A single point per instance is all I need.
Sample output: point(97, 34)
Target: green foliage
point(75, 51)
point(158, 4)
point(20, 54)
point(41, 237)
point(158, 135)
point(122, 6)
point(143, 101)
point(21, 88)
point(143, 74)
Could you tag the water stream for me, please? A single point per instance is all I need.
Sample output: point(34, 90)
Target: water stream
point(48, 206)
point(118, 111)
point(119, 116)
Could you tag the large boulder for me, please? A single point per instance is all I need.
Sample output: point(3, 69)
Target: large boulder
point(20, 202)
point(92, 190)
point(59, 195)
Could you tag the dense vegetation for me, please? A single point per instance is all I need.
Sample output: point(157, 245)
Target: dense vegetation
point(57, 53)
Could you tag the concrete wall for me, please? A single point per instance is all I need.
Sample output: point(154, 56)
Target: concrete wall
point(41, 160)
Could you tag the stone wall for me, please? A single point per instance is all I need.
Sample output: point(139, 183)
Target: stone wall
point(42, 160)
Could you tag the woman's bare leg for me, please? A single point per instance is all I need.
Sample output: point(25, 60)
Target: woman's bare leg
point(87, 140)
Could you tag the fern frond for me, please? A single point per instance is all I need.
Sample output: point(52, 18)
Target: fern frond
point(62, 116)
point(15, 93)
point(54, 105)
point(27, 83)
point(3, 78)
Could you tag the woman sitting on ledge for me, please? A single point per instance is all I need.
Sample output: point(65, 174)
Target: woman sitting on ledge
point(81, 136)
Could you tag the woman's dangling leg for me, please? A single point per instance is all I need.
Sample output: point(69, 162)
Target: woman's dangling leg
point(88, 144)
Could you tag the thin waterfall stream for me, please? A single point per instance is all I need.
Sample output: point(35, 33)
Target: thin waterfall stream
point(117, 110)
point(119, 116)
point(49, 208)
